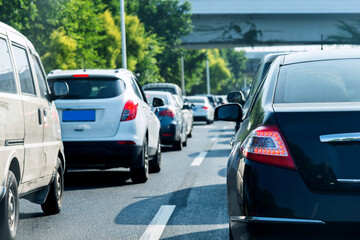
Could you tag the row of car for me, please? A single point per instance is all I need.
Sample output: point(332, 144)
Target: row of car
point(294, 158)
point(92, 118)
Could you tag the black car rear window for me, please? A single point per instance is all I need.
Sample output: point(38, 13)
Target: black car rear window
point(93, 88)
point(319, 82)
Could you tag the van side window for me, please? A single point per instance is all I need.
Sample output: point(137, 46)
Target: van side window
point(23, 67)
point(40, 76)
point(7, 78)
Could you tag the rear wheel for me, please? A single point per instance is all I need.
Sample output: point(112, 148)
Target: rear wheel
point(141, 175)
point(190, 134)
point(155, 164)
point(9, 209)
point(178, 144)
point(53, 202)
point(185, 142)
point(208, 122)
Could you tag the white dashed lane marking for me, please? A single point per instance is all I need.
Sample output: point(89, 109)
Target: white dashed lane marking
point(198, 160)
point(158, 224)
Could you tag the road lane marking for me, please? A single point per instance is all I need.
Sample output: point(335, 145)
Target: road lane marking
point(198, 160)
point(158, 223)
point(213, 139)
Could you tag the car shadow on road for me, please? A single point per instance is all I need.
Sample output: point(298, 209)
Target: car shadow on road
point(221, 233)
point(205, 205)
point(82, 180)
point(216, 153)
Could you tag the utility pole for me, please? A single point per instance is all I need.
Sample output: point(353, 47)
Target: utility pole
point(182, 76)
point(208, 76)
point(123, 36)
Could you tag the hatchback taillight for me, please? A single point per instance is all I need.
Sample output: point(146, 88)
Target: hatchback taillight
point(130, 111)
point(266, 145)
point(206, 108)
point(167, 112)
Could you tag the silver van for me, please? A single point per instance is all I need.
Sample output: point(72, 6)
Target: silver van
point(31, 151)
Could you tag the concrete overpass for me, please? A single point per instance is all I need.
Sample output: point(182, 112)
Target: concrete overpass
point(233, 23)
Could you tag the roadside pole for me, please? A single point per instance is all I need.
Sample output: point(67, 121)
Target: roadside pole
point(182, 76)
point(208, 76)
point(123, 36)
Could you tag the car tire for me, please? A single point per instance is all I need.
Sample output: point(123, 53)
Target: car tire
point(141, 175)
point(178, 145)
point(9, 209)
point(53, 202)
point(155, 164)
point(184, 144)
point(190, 134)
point(208, 122)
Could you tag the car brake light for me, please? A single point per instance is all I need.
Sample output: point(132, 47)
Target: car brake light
point(80, 75)
point(167, 112)
point(206, 108)
point(130, 111)
point(126, 142)
point(266, 145)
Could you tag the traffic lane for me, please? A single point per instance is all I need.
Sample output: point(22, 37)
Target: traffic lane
point(96, 203)
point(203, 215)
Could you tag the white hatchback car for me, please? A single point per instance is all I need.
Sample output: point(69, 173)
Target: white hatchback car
point(203, 110)
point(106, 122)
point(31, 150)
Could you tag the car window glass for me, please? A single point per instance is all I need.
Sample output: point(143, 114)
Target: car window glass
point(136, 89)
point(93, 88)
point(7, 78)
point(150, 98)
point(319, 82)
point(40, 76)
point(23, 68)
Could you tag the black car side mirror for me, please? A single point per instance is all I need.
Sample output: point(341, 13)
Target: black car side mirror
point(59, 90)
point(158, 102)
point(229, 112)
point(236, 97)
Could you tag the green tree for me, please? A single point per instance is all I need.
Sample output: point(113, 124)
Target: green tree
point(236, 62)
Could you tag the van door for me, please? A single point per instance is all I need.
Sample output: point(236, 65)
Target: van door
point(32, 105)
point(11, 113)
point(51, 124)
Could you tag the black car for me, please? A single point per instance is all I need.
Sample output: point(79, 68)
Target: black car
point(173, 125)
point(295, 158)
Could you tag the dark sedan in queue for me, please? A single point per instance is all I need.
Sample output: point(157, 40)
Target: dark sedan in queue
point(295, 158)
point(173, 125)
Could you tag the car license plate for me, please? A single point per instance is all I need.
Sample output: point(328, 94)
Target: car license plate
point(78, 116)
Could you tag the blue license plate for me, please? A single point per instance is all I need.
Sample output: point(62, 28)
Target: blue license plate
point(78, 116)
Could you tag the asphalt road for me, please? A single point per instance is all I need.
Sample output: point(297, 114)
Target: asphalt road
point(186, 200)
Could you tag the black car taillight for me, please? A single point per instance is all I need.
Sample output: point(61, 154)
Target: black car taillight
point(266, 145)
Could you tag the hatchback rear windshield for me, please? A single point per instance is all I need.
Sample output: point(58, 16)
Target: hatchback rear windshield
point(164, 89)
point(150, 98)
point(93, 88)
point(196, 100)
point(319, 82)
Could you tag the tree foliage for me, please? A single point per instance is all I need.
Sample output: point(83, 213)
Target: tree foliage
point(72, 34)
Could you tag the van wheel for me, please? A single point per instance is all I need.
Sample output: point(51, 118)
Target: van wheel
point(9, 209)
point(155, 164)
point(53, 202)
point(141, 175)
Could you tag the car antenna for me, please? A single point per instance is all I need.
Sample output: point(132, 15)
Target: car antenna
point(84, 65)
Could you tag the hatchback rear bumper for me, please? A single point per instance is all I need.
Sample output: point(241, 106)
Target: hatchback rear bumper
point(101, 154)
point(275, 194)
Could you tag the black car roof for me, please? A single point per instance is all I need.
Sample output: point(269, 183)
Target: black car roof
point(320, 55)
